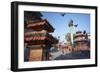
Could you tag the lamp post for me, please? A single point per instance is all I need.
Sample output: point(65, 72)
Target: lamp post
point(70, 24)
point(58, 42)
point(71, 27)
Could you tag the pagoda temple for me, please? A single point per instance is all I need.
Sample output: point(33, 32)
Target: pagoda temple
point(81, 42)
point(37, 39)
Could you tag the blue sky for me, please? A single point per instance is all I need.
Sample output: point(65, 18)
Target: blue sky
point(60, 23)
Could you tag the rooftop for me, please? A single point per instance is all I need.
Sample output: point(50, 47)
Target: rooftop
point(41, 25)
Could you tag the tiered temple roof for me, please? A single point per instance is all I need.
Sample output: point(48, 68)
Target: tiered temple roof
point(40, 33)
point(37, 36)
point(41, 25)
point(46, 39)
point(80, 37)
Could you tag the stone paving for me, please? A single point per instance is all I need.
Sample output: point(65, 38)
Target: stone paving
point(58, 55)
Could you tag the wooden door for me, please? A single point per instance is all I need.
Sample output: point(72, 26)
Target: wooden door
point(35, 54)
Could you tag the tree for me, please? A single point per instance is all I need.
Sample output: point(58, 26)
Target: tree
point(68, 37)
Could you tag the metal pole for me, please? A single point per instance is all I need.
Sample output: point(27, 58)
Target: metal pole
point(71, 34)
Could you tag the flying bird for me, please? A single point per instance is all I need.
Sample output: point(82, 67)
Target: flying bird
point(76, 25)
point(84, 32)
point(63, 14)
